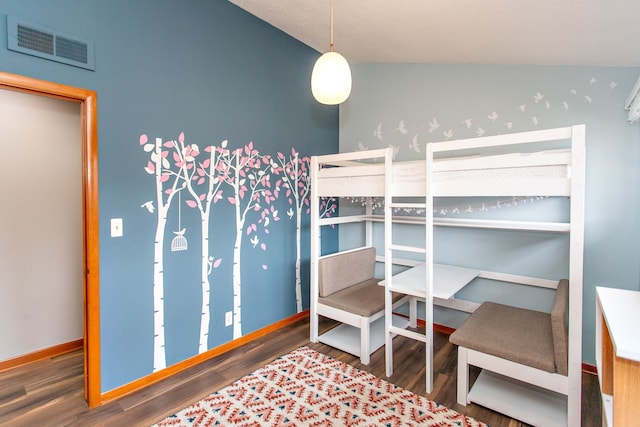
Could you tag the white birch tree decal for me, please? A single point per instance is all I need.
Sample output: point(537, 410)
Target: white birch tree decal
point(204, 186)
point(294, 173)
point(245, 170)
point(160, 168)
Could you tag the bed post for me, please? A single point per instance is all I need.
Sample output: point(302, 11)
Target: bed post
point(314, 251)
point(576, 250)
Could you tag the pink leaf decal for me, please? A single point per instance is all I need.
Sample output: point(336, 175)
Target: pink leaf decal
point(164, 177)
point(168, 144)
point(191, 203)
point(202, 196)
point(248, 230)
point(231, 200)
point(168, 191)
point(280, 155)
point(151, 166)
point(181, 137)
point(263, 247)
point(143, 139)
point(200, 181)
point(206, 163)
point(217, 263)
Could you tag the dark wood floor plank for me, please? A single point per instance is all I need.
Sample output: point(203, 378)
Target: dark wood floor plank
point(50, 392)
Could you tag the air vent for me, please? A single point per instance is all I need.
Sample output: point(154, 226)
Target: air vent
point(36, 40)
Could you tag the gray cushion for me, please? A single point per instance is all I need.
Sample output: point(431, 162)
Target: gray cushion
point(363, 299)
point(341, 270)
point(512, 333)
point(560, 327)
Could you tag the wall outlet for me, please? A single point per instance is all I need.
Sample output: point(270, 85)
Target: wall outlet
point(228, 318)
point(116, 227)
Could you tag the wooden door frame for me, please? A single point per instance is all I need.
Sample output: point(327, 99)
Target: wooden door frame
point(90, 220)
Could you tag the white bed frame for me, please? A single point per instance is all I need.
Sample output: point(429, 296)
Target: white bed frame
point(451, 171)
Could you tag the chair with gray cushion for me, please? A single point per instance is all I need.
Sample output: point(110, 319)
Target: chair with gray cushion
point(349, 293)
point(526, 345)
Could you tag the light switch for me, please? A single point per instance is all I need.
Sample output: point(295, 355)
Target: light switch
point(116, 227)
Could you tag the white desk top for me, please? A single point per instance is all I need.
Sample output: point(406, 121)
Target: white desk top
point(447, 280)
point(621, 310)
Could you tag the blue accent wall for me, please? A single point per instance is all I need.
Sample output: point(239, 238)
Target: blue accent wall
point(409, 105)
point(214, 72)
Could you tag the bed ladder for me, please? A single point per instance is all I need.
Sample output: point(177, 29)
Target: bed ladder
point(424, 293)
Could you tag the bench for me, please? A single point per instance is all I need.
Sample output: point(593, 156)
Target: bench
point(349, 292)
point(523, 344)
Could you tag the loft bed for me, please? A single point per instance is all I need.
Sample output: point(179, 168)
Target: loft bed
point(522, 164)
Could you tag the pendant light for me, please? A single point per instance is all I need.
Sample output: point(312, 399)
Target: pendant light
point(331, 76)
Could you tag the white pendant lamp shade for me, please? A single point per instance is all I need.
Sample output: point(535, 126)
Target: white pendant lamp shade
point(331, 79)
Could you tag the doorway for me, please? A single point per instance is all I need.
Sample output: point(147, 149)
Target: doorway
point(90, 225)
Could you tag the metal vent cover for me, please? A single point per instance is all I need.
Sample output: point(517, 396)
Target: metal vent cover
point(36, 40)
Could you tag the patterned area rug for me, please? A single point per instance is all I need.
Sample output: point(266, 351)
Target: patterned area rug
point(307, 388)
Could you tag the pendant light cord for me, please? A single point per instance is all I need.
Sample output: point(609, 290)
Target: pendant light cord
point(331, 26)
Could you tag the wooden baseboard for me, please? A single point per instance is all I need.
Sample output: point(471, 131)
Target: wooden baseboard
point(192, 361)
point(45, 353)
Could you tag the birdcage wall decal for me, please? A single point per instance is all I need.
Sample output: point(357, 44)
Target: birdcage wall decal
point(179, 242)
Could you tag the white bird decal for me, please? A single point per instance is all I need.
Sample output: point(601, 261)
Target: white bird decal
point(537, 97)
point(592, 80)
point(573, 92)
point(547, 105)
point(254, 241)
point(564, 105)
point(534, 121)
point(613, 85)
point(290, 212)
point(395, 150)
point(448, 134)
point(522, 107)
point(414, 144)
point(433, 124)
point(587, 99)
point(180, 233)
point(468, 123)
point(401, 127)
point(493, 116)
point(148, 205)
point(480, 131)
point(362, 147)
point(378, 132)
point(509, 125)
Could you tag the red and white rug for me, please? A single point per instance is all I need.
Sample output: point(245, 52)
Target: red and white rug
point(307, 388)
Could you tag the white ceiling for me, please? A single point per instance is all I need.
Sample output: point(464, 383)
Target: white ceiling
point(542, 32)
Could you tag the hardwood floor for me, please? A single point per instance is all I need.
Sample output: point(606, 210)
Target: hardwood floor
point(50, 392)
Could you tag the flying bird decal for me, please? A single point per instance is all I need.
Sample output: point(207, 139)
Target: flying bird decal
point(433, 124)
point(401, 127)
point(414, 144)
point(378, 132)
point(148, 205)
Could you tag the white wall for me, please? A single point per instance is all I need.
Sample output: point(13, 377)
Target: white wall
point(40, 223)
